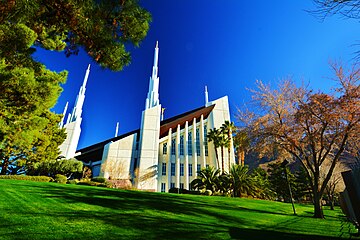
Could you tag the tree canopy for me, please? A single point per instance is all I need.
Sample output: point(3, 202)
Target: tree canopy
point(28, 129)
point(100, 27)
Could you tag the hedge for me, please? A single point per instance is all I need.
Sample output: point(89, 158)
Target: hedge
point(27, 178)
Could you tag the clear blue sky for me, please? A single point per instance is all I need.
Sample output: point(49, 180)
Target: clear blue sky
point(225, 45)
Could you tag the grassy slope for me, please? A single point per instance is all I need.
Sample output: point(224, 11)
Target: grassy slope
point(30, 210)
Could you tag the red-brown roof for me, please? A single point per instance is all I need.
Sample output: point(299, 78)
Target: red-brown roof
point(183, 118)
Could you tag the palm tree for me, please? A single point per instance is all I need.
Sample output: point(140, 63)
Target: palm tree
point(223, 142)
point(241, 143)
point(214, 136)
point(208, 179)
point(228, 128)
point(241, 181)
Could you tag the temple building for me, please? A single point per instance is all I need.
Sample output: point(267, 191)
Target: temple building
point(161, 154)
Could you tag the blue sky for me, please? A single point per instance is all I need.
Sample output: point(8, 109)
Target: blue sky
point(225, 45)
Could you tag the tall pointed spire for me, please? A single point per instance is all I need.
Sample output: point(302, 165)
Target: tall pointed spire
point(77, 110)
point(153, 94)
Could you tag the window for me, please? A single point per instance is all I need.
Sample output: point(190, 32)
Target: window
point(181, 169)
point(207, 165)
point(172, 185)
point(190, 186)
point(190, 170)
point(172, 169)
point(198, 142)
point(206, 141)
point(182, 145)
point(165, 148)
point(163, 186)
point(198, 169)
point(189, 143)
point(181, 186)
point(163, 170)
point(173, 145)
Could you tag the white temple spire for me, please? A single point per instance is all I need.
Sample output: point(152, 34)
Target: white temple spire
point(153, 94)
point(61, 124)
point(206, 96)
point(73, 122)
point(117, 129)
point(77, 110)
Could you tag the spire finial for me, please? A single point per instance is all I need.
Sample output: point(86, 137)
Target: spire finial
point(162, 113)
point(117, 129)
point(206, 95)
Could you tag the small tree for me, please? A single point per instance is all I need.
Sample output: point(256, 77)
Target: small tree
point(208, 178)
point(113, 169)
point(214, 137)
point(228, 128)
point(242, 182)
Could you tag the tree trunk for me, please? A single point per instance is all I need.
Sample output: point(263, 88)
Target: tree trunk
point(242, 158)
point(4, 167)
point(318, 211)
point(238, 153)
point(229, 157)
point(222, 158)
point(217, 157)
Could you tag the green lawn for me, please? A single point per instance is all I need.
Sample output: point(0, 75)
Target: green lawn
point(31, 210)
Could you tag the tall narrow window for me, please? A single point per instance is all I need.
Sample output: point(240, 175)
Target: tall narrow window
point(165, 148)
point(181, 169)
point(181, 145)
point(198, 168)
point(197, 141)
point(163, 170)
point(206, 141)
point(172, 185)
point(190, 170)
point(181, 186)
point(173, 145)
point(163, 186)
point(172, 169)
point(189, 144)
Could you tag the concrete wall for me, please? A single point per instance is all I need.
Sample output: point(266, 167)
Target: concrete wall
point(118, 157)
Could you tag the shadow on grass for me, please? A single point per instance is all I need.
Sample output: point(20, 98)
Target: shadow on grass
point(255, 234)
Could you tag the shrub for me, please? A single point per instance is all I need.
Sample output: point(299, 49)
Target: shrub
point(208, 192)
point(99, 179)
point(67, 167)
point(178, 190)
point(27, 178)
point(73, 181)
point(60, 178)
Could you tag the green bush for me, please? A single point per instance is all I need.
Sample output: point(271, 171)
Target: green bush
point(93, 183)
point(73, 181)
point(27, 178)
point(99, 179)
point(60, 178)
point(67, 167)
